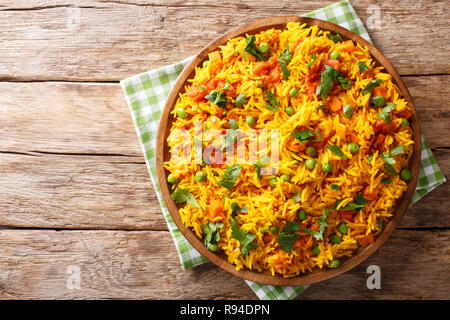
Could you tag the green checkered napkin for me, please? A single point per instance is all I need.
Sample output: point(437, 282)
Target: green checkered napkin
point(146, 94)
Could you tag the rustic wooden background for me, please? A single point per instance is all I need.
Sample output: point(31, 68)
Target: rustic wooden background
point(74, 188)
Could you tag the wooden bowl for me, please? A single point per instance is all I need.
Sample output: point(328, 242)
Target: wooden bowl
point(162, 154)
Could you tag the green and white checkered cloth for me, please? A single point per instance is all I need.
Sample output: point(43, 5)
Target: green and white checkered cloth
point(146, 94)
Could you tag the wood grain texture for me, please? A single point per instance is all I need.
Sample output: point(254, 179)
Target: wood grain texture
point(89, 118)
point(71, 160)
point(144, 265)
point(115, 192)
point(111, 40)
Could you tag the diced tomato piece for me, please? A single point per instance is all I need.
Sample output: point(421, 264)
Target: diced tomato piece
point(405, 114)
point(346, 214)
point(370, 195)
point(267, 237)
point(215, 209)
point(354, 137)
point(381, 126)
point(334, 63)
point(365, 241)
point(379, 142)
point(380, 91)
point(335, 105)
point(348, 46)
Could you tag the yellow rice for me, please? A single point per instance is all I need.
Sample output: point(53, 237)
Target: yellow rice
point(272, 206)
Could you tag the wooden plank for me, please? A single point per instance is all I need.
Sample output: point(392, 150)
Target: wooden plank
point(95, 192)
point(35, 264)
point(81, 118)
point(111, 40)
point(112, 192)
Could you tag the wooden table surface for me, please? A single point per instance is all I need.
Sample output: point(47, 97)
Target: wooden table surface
point(74, 189)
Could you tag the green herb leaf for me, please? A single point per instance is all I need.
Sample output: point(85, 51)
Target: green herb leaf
point(334, 187)
point(385, 112)
point(230, 176)
point(362, 67)
point(348, 111)
point(297, 197)
point(397, 150)
point(286, 241)
point(313, 60)
point(241, 99)
point(218, 98)
point(259, 164)
point(227, 84)
point(181, 195)
point(290, 227)
point(345, 83)
point(235, 209)
point(387, 158)
point(303, 135)
point(286, 56)
point(212, 234)
point(390, 169)
point(386, 181)
point(326, 81)
point(318, 235)
point(335, 37)
point(273, 102)
point(244, 237)
point(252, 49)
point(371, 85)
point(337, 151)
point(284, 69)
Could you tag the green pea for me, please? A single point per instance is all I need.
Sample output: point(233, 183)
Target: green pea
point(290, 111)
point(171, 179)
point(205, 63)
point(233, 124)
point(335, 239)
point(404, 122)
point(264, 229)
point(378, 101)
point(273, 182)
point(293, 92)
point(370, 158)
point(316, 250)
point(342, 228)
point(405, 174)
point(310, 164)
point(250, 120)
point(182, 113)
point(310, 151)
point(353, 147)
point(273, 229)
point(301, 215)
point(264, 47)
point(286, 177)
point(335, 55)
point(213, 247)
point(335, 263)
point(326, 167)
point(200, 176)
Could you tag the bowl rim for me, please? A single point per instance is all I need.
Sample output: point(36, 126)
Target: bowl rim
point(317, 275)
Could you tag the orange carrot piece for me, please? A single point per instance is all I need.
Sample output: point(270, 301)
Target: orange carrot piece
point(215, 209)
point(334, 63)
point(335, 105)
point(380, 91)
point(365, 241)
point(348, 46)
